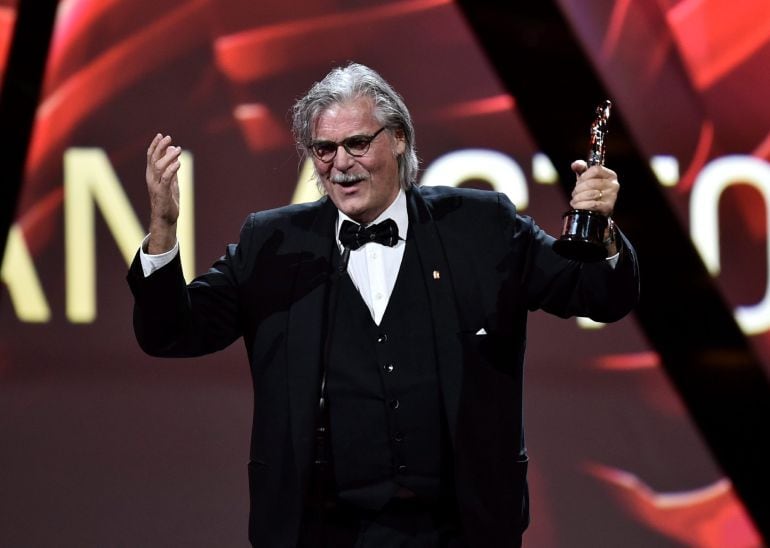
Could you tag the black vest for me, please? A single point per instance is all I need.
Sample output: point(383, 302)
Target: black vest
point(384, 400)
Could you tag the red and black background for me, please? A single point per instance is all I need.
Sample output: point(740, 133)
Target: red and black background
point(648, 432)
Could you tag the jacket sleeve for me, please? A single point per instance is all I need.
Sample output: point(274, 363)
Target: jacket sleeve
point(599, 290)
point(172, 319)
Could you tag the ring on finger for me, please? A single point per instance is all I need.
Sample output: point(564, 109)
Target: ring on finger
point(600, 195)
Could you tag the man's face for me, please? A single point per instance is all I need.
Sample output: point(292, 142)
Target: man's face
point(362, 187)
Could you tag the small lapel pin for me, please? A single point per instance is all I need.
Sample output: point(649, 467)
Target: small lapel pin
point(436, 275)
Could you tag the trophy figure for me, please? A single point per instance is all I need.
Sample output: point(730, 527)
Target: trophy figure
point(582, 237)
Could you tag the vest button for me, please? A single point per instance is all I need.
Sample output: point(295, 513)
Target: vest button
point(394, 404)
point(402, 468)
point(383, 337)
point(389, 367)
point(398, 437)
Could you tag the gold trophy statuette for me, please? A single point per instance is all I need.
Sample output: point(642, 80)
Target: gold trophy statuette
point(582, 237)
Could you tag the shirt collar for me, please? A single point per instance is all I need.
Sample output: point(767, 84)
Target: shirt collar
point(395, 211)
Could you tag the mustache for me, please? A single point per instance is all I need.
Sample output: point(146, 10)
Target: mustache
point(348, 178)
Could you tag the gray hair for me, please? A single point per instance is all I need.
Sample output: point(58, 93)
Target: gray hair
point(345, 84)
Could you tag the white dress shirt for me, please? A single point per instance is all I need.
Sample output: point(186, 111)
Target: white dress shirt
point(151, 263)
point(374, 267)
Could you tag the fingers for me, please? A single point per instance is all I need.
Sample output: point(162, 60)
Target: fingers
point(162, 159)
point(153, 145)
point(159, 149)
point(169, 164)
point(162, 185)
point(596, 189)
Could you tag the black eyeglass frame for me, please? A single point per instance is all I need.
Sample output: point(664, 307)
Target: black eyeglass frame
point(366, 142)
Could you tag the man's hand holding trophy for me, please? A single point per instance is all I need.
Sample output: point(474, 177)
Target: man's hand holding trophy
point(589, 235)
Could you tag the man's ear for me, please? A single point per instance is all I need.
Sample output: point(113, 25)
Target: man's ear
point(400, 142)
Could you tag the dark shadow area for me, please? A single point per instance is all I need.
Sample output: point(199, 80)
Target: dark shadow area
point(685, 318)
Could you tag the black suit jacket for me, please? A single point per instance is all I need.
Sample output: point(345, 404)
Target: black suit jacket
point(485, 267)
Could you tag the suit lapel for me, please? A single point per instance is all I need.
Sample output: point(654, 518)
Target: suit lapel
point(438, 280)
point(305, 331)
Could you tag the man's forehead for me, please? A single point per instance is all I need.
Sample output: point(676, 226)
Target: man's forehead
point(351, 117)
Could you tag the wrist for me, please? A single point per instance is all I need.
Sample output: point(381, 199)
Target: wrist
point(162, 238)
point(611, 240)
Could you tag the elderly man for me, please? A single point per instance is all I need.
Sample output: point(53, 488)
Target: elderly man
point(385, 329)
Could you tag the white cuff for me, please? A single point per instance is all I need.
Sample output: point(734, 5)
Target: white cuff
point(151, 263)
point(613, 261)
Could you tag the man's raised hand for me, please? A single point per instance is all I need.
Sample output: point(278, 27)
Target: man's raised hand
point(163, 189)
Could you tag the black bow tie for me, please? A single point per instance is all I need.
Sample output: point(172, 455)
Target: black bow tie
point(353, 236)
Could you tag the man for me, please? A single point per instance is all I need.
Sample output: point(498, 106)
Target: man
point(385, 329)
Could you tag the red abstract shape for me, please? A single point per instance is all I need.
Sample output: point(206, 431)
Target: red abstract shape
point(715, 36)
point(709, 517)
point(699, 157)
point(478, 107)
point(259, 53)
point(628, 362)
point(72, 35)
point(763, 149)
point(39, 222)
point(113, 71)
point(262, 130)
point(751, 212)
point(615, 27)
point(7, 19)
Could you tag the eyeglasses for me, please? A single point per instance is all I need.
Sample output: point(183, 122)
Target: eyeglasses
point(357, 145)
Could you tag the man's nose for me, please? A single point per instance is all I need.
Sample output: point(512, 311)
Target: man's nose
point(343, 159)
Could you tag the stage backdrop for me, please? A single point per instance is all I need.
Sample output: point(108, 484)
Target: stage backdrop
point(104, 446)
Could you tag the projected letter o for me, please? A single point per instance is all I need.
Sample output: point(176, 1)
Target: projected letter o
point(712, 181)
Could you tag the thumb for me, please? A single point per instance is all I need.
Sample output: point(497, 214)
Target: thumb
point(578, 167)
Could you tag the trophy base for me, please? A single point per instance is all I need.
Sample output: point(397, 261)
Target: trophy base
point(582, 237)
